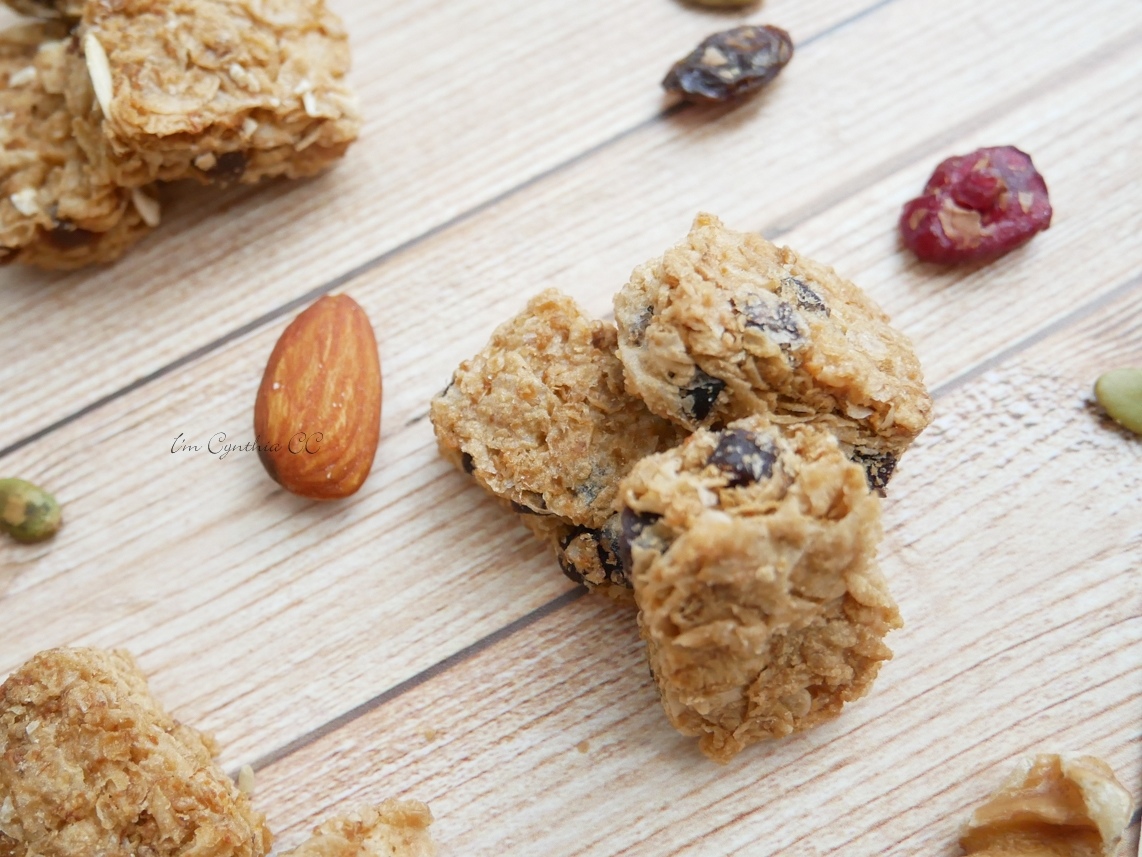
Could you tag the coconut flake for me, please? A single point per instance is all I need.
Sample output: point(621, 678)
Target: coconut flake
point(25, 202)
point(23, 76)
point(246, 780)
point(309, 102)
point(148, 208)
point(99, 68)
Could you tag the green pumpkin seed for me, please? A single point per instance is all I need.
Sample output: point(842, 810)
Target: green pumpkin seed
point(1120, 393)
point(27, 513)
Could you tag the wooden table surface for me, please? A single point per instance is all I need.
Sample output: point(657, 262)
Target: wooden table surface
point(414, 641)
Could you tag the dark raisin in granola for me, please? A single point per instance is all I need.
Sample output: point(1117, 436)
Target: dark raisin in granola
point(632, 524)
point(878, 467)
point(806, 298)
point(731, 64)
point(67, 237)
point(698, 399)
point(591, 556)
point(744, 457)
point(779, 321)
point(228, 167)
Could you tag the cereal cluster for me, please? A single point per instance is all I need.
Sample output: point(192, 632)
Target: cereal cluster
point(713, 456)
point(106, 100)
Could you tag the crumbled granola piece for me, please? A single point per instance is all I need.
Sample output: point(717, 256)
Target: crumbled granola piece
point(726, 325)
point(90, 764)
point(753, 556)
point(56, 211)
point(540, 418)
point(217, 90)
point(392, 829)
point(1054, 806)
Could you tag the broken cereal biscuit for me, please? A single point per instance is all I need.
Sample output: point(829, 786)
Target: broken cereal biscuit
point(753, 556)
point(726, 325)
point(56, 209)
point(392, 829)
point(541, 420)
point(90, 764)
point(217, 90)
point(1058, 805)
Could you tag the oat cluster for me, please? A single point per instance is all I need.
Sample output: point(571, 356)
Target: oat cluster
point(753, 557)
point(92, 766)
point(110, 98)
point(715, 455)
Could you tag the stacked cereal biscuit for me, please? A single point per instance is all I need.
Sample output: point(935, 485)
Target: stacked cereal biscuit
point(716, 455)
point(108, 97)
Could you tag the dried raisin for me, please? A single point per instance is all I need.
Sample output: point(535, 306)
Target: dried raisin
point(977, 207)
point(744, 457)
point(698, 399)
point(731, 64)
point(592, 556)
point(878, 467)
point(778, 321)
point(632, 526)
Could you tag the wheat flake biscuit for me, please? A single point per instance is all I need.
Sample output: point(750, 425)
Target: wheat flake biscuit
point(214, 90)
point(56, 209)
point(726, 325)
point(752, 553)
point(540, 418)
point(90, 764)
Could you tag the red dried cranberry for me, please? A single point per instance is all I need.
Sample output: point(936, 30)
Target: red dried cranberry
point(977, 207)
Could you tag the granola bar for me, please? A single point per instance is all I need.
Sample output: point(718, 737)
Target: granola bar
point(56, 210)
point(216, 90)
point(753, 556)
point(726, 325)
point(541, 420)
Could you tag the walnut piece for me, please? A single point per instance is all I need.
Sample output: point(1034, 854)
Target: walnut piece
point(1052, 806)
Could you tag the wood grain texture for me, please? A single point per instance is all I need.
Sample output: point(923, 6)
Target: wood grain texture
point(463, 100)
point(414, 641)
point(886, 87)
point(1025, 637)
point(184, 557)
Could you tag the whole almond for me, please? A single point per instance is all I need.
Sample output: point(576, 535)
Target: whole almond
point(317, 418)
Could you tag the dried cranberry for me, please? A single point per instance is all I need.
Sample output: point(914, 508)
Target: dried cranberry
point(731, 64)
point(977, 207)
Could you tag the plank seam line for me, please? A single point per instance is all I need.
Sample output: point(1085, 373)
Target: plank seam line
point(425, 675)
point(556, 604)
point(1072, 318)
point(400, 249)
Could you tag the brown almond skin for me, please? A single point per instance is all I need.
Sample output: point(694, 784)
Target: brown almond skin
point(323, 382)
